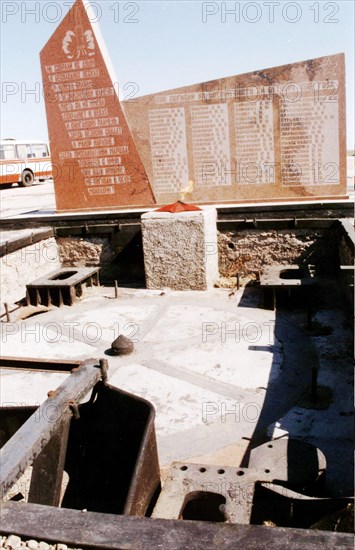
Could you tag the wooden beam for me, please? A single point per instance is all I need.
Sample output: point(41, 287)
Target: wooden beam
point(80, 529)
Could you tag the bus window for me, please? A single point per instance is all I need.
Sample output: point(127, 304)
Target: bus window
point(21, 151)
point(39, 150)
point(7, 152)
point(29, 153)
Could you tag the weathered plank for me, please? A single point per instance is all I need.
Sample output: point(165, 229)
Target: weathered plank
point(134, 533)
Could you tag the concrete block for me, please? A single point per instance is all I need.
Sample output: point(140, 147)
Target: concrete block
point(180, 249)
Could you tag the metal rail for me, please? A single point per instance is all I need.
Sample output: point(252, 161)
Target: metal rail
point(127, 219)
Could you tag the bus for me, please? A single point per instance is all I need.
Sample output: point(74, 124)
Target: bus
point(23, 162)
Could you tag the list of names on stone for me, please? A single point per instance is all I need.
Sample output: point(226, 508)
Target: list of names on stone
point(210, 144)
point(255, 149)
point(90, 128)
point(168, 149)
point(309, 138)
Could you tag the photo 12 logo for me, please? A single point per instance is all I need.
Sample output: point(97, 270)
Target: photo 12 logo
point(250, 332)
point(68, 332)
point(54, 12)
point(236, 412)
point(270, 12)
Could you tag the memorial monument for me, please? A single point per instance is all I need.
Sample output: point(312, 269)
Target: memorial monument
point(95, 161)
point(270, 135)
point(273, 134)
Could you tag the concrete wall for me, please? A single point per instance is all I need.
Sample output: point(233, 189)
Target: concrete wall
point(24, 266)
point(120, 256)
point(88, 251)
point(248, 251)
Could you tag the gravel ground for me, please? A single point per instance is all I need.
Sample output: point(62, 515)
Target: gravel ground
point(12, 542)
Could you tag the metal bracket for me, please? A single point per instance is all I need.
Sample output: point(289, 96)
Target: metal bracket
point(104, 369)
point(75, 409)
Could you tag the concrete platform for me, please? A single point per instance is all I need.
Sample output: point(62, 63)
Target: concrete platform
point(216, 372)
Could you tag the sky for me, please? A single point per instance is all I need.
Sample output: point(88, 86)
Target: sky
point(159, 45)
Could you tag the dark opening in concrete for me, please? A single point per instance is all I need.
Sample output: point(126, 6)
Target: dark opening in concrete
point(63, 276)
point(293, 273)
point(204, 506)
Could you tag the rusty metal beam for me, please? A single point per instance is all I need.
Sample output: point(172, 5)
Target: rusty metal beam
point(28, 363)
point(80, 529)
point(28, 442)
point(48, 468)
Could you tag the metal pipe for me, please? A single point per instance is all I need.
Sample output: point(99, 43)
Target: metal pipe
point(7, 311)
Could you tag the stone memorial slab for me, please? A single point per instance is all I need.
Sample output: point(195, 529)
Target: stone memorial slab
point(95, 161)
point(273, 134)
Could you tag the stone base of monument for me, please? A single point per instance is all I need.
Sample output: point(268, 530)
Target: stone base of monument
point(180, 249)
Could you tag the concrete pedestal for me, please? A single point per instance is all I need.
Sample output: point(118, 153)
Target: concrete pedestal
point(180, 249)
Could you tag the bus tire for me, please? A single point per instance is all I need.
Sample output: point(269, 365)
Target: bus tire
point(27, 178)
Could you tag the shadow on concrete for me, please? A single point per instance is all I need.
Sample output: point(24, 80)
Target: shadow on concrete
point(286, 387)
point(287, 383)
point(251, 295)
point(128, 265)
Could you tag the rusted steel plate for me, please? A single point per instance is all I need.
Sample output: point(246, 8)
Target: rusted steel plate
point(112, 459)
point(47, 474)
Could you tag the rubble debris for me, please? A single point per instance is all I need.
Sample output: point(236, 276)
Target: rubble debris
point(13, 542)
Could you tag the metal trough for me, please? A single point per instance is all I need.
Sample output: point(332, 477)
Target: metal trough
point(107, 446)
point(112, 458)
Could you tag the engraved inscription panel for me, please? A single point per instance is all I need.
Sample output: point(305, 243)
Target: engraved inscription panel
point(254, 130)
point(309, 140)
point(273, 134)
point(169, 150)
point(210, 143)
point(95, 160)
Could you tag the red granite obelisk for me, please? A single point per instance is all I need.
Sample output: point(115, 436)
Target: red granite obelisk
point(96, 164)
